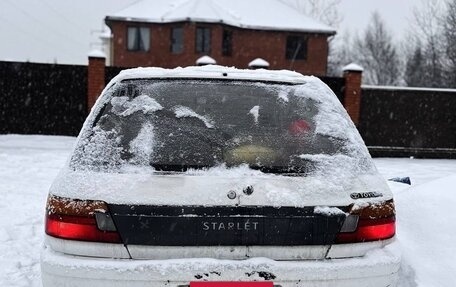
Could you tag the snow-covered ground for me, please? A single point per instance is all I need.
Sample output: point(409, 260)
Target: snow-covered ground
point(426, 221)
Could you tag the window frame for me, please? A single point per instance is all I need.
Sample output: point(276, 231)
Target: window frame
point(138, 45)
point(203, 49)
point(175, 44)
point(292, 49)
point(227, 42)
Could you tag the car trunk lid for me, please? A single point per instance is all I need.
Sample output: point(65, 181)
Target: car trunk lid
point(231, 229)
point(224, 225)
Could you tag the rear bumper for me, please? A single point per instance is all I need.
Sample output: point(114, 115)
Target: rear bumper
point(377, 268)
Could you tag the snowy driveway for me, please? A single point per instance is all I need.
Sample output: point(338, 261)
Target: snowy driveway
point(28, 164)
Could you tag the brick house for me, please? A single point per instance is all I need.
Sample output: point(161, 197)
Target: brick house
point(168, 34)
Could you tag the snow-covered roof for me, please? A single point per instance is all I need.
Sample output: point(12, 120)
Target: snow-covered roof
point(250, 14)
point(212, 72)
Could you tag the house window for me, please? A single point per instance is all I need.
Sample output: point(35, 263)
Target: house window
point(227, 43)
point(296, 48)
point(138, 39)
point(203, 40)
point(177, 40)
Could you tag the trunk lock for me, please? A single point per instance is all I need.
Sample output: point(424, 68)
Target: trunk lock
point(248, 190)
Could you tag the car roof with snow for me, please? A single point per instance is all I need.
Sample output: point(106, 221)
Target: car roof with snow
point(213, 72)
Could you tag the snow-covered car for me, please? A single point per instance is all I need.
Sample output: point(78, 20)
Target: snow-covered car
point(214, 176)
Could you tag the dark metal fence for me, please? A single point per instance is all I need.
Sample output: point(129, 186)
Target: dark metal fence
point(42, 98)
point(52, 99)
point(337, 86)
point(409, 122)
point(111, 72)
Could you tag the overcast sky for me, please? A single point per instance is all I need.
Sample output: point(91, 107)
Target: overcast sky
point(397, 15)
point(64, 31)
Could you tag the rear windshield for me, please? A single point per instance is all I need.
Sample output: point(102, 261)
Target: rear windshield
point(177, 125)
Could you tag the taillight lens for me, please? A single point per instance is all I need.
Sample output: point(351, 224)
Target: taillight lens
point(374, 221)
point(369, 230)
point(76, 220)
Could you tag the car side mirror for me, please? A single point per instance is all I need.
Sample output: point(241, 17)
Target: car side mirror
point(405, 180)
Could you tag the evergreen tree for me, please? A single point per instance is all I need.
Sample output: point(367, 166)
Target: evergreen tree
point(414, 69)
point(377, 54)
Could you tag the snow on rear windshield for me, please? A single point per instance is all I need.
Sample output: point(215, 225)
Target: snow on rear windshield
point(188, 125)
point(182, 112)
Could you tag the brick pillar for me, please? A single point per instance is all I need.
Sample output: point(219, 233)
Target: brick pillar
point(352, 95)
point(96, 77)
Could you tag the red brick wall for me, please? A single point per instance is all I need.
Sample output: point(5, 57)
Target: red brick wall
point(96, 80)
point(352, 99)
point(247, 45)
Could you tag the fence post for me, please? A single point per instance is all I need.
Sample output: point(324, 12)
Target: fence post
point(96, 77)
point(352, 93)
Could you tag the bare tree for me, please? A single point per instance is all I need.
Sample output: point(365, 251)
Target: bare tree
point(377, 54)
point(449, 29)
point(326, 11)
point(427, 27)
point(340, 54)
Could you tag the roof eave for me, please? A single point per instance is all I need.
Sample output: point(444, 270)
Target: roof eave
point(177, 20)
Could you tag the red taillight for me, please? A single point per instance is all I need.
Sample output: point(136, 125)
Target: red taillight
point(75, 220)
point(369, 230)
point(78, 228)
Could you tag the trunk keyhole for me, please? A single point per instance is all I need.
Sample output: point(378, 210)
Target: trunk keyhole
point(248, 190)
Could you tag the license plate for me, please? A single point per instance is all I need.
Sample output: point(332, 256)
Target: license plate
point(230, 284)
